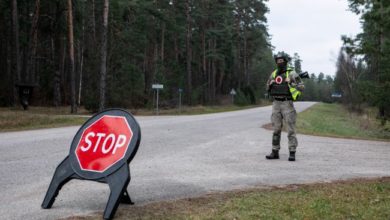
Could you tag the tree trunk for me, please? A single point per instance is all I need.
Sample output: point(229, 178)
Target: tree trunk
point(204, 63)
point(221, 77)
point(10, 76)
point(246, 74)
point(214, 72)
point(103, 57)
point(381, 55)
point(146, 75)
point(176, 48)
point(155, 61)
point(237, 69)
point(58, 56)
point(81, 50)
point(175, 37)
point(57, 75)
point(189, 52)
point(32, 49)
point(15, 48)
point(238, 60)
point(209, 74)
point(71, 59)
point(92, 20)
point(162, 42)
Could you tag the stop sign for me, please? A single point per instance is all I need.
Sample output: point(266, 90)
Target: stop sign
point(103, 143)
point(100, 151)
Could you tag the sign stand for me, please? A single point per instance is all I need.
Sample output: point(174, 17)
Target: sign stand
point(180, 92)
point(117, 182)
point(157, 87)
point(117, 175)
point(25, 94)
point(233, 93)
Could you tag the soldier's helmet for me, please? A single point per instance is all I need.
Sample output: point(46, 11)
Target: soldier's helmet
point(282, 55)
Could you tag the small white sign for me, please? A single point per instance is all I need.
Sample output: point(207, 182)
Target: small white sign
point(336, 95)
point(157, 86)
point(233, 92)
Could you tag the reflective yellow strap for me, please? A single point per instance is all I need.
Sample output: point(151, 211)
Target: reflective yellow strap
point(289, 70)
point(274, 74)
point(294, 93)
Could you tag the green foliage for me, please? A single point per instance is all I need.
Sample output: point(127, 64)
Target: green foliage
point(245, 96)
point(335, 120)
point(126, 85)
point(297, 63)
point(318, 88)
point(371, 51)
point(91, 101)
point(6, 84)
point(240, 99)
point(146, 44)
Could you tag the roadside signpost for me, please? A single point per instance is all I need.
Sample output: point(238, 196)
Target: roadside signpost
point(233, 93)
point(336, 95)
point(25, 94)
point(180, 92)
point(157, 87)
point(100, 151)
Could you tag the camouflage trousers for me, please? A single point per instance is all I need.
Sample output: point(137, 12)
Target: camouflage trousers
point(284, 111)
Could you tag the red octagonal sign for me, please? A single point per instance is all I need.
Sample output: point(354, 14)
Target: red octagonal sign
point(103, 143)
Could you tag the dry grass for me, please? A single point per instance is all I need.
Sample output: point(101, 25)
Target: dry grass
point(14, 119)
point(194, 110)
point(333, 120)
point(38, 117)
point(353, 199)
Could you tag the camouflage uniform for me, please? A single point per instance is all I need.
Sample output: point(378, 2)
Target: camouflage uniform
point(284, 109)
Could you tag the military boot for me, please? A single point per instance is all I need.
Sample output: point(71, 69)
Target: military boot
point(273, 155)
point(292, 156)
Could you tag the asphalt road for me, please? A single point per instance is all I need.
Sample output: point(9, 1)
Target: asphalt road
point(180, 156)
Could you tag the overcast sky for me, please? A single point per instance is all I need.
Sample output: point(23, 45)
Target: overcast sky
point(313, 29)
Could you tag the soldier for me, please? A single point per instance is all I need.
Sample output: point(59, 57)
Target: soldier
point(284, 85)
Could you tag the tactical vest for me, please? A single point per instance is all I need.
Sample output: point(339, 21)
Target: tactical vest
point(284, 89)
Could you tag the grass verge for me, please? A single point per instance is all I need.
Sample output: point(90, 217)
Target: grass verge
point(195, 110)
point(50, 117)
point(353, 199)
point(38, 117)
point(335, 121)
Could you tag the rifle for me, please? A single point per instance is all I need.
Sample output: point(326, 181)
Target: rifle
point(304, 75)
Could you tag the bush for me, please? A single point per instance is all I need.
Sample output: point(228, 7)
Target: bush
point(245, 96)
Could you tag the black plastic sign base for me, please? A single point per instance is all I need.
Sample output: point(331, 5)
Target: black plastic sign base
point(117, 150)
